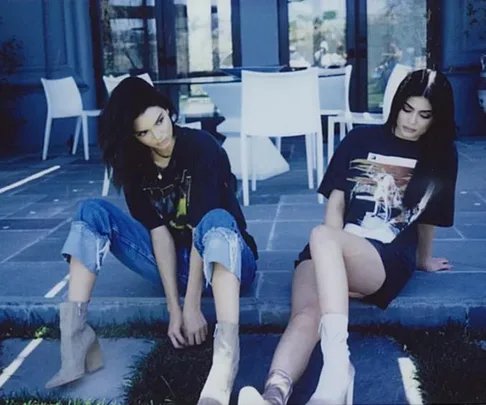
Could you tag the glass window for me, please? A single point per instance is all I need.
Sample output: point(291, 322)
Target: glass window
point(129, 37)
point(203, 36)
point(397, 33)
point(317, 30)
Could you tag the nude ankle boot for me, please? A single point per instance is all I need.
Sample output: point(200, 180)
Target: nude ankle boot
point(336, 382)
point(226, 357)
point(80, 349)
point(277, 391)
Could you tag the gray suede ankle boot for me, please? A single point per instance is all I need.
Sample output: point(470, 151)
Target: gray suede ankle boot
point(80, 349)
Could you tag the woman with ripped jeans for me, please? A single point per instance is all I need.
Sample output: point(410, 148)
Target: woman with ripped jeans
point(186, 229)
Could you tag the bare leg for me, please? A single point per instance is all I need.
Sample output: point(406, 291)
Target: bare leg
point(226, 291)
point(343, 262)
point(81, 282)
point(300, 337)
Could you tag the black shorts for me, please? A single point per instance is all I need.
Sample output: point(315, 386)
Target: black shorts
point(399, 262)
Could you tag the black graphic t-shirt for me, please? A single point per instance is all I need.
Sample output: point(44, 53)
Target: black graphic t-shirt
point(197, 180)
point(373, 168)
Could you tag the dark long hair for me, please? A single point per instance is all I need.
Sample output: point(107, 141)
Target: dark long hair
point(121, 152)
point(437, 149)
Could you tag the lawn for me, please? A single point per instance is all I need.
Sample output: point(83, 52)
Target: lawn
point(450, 362)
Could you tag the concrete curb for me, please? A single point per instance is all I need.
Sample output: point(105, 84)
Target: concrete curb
point(414, 312)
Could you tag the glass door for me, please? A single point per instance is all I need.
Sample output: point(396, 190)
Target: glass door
point(396, 33)
point(371, 35)
point(317, 33)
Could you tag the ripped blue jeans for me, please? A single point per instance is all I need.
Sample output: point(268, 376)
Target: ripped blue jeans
point(99, 226)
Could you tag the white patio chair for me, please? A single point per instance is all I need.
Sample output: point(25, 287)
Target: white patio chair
point(334, 91)
point(227, 97)
point(349, 118)
point(112, 81)
point(107, 176)
point(64, 101)
point(281, 105)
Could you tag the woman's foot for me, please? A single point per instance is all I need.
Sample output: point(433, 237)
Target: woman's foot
point(278, 389)
point(336, 382)
point(80, 349)
point(226, 357)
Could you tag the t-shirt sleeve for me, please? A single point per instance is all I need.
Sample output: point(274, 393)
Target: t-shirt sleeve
point(336, 173)
point(141, 208)
point(208, 170)
point(440, 209)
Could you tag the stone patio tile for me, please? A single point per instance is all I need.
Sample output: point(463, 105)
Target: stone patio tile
point(292, 236)
point(261, 232)
point(14, 241)
point(261, 212)
point(106, 384)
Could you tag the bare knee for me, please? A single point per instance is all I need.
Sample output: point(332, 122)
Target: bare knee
point(323, 234)
point(307, 318)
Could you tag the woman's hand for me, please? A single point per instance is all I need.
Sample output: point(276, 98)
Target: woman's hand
point(175, 329)
point(195, 325)
point(435, 264)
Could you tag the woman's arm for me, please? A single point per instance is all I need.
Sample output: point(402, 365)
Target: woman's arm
point(425, 261)
point(334, 217)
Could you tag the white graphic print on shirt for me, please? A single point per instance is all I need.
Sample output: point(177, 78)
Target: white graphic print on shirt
point(380, 183)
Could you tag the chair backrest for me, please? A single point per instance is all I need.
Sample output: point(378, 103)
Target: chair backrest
point(111, 81)
point(334, 90)
point(63, 97)
point(146, 77)
point(226, 97)
point(194, 125)
point(280, 104)
point(398, 73)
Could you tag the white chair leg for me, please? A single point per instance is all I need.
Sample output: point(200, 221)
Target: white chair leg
point(76, 135)
point(253, 164)
point(106, 183)
point(85, 137)
point(320, 163)
point(244, 169)
point(279, 144)
point(315, 148)
point(349, 125)
point(47, 136)
point(330, 138)
point(308, 153)
point(342, 130)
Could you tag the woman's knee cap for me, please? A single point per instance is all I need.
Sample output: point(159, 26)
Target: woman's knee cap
point(321, 233)
point(91, 209)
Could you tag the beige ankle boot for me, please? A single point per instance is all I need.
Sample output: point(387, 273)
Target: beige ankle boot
point(226, 357)
point(277, 391)
point(80, 349)
point(336, 382)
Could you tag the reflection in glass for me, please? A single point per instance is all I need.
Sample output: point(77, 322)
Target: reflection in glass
point(129, 37)
point(203, 36)
point(317, 31)
point(396, 34)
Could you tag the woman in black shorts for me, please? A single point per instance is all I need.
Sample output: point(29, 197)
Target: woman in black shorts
point(387, 188)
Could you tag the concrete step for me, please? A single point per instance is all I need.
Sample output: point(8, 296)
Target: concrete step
point(429, 299)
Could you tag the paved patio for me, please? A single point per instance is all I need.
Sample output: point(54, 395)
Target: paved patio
point(34, 221)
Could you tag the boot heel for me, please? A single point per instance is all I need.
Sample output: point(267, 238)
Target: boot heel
point(94, 357)
point(350, 392)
